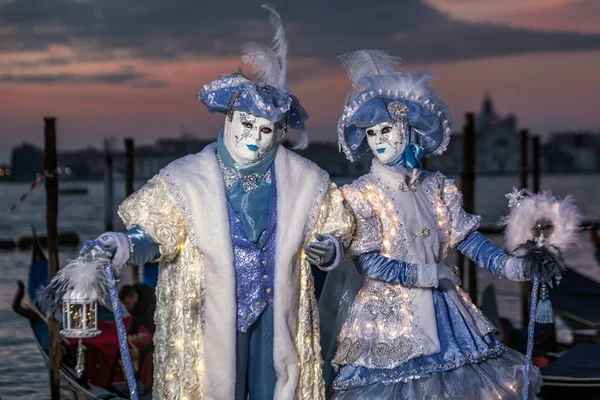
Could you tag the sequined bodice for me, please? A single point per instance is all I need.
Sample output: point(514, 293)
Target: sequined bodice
point(409, 224)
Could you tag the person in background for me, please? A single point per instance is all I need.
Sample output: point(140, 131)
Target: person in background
point(140, 301)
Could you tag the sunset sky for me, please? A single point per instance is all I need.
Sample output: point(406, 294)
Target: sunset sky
point(116, 68)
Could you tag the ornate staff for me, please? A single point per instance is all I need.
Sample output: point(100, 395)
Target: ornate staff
point(73, 295)
point(539, 228)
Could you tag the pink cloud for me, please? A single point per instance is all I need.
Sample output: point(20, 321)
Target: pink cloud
point(542, 15)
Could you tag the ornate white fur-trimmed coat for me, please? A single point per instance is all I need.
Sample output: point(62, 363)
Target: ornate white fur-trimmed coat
point(184, 210)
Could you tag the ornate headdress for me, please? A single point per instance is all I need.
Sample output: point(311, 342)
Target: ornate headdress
point(270, 97)
point(383, 92)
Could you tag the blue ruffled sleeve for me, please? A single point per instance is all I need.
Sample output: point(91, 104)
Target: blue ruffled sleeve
point(375, 266)
point(484, 253)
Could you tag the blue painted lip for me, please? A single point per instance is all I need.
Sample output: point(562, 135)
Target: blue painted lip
point(381, 150)
point(252, 147)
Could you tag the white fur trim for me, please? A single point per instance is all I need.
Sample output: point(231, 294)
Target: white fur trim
point(197, 180)
point(299, 181)
point(563, 214)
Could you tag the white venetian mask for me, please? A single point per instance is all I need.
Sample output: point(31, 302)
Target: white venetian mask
point(387, 140)
point(248, 138)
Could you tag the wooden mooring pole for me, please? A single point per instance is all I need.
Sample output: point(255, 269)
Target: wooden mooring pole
point(108, 188)
point(523, 174)
point(536, 167)
point(51, 183)
point(129, 177)
point(467, 182)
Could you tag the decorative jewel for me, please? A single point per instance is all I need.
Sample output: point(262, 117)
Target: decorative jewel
point(408, 187)
point(397, 110)
point(249, 182)
point(515, 197)
point(423, 233)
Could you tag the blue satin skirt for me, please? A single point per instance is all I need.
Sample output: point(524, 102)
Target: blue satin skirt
point(468, 366)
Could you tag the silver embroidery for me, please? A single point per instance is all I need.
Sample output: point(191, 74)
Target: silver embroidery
point(381, 329)
point(249, 182)
point(319, 197)
point(230, 177)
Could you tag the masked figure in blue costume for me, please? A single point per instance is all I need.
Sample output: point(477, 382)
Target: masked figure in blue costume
point(236, 313)
point(412, 333)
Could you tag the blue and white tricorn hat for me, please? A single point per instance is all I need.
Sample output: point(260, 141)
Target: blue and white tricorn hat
point(384, 93)
point(269, 97)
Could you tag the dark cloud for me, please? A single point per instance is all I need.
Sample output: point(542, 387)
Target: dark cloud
point(126, 75)
point(41, 62)
point(168, 29)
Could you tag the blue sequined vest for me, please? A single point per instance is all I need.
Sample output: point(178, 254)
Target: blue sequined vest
point(254, 266)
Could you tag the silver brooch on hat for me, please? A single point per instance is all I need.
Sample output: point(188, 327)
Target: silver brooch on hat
point(397, 110)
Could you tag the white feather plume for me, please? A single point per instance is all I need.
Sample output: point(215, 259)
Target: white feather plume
point(301, 141)
point(270, 64)
point(363, 63)
point(81, 279)
point(563, 214)
point(263, 61)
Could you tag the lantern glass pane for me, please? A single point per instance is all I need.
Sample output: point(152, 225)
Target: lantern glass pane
point(91, 315)
point(76, 316)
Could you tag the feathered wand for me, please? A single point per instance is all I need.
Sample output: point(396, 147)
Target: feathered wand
point(539, 228)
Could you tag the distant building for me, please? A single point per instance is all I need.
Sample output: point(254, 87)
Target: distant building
point(27, 161)
point(496, 140)
point(496, 143)
point(572, 151)
point(150, 159)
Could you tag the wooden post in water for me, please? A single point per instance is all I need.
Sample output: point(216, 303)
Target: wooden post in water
point(523, 173)
point(468, 189)
point(467, 182)
point(129, 177)
point(536, 168)
point(108, 188)
point(51, 183)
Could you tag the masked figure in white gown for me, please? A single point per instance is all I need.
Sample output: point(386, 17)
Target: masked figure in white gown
point(412, 333)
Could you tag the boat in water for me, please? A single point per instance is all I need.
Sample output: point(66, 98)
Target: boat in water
point(103, 377)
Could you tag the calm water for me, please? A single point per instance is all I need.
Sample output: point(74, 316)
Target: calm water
point(22, 372)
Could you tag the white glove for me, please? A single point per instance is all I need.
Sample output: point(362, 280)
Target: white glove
point(118, 245)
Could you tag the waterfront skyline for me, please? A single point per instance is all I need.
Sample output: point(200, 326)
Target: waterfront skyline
point(112, 69)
